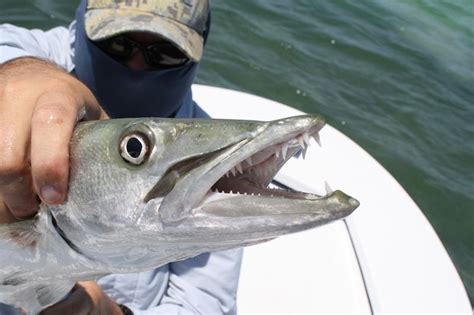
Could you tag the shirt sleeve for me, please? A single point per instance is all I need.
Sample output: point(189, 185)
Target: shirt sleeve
point(54, 45)
point(205, 284)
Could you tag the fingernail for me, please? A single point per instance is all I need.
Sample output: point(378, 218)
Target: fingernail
point(49, 194)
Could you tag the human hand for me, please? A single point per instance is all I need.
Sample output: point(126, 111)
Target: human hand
point(87, 298)
point(40, 104)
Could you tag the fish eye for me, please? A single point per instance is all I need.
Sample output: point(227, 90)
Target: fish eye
point(134, 148)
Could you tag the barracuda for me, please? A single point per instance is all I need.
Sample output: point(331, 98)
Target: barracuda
point(145, 192)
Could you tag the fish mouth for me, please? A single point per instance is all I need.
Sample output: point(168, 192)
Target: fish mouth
point(252, 174)
point(236, 171)
point(236, 174)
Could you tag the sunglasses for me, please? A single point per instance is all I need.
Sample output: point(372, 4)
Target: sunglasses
point(158, 56)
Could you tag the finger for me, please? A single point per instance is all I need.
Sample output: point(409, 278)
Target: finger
point(17, 193)
point(53, 120)
point(90, 110)
point(78, 303)
point(52, 123)
point(19, 198)
point(101, 302)
point(5, 215)
point(16, 188)
point(94, 294)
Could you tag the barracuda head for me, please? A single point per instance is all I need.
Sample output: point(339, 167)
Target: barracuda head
point(144, 192)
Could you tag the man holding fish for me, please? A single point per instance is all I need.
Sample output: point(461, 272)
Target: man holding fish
point(142, 192)
point(135, 59)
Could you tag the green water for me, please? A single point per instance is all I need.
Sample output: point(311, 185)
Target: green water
point(395, 76)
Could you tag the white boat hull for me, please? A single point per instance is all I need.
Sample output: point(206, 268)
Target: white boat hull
point(385, 258)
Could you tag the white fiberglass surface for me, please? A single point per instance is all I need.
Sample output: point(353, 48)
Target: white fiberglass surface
point(405, 268)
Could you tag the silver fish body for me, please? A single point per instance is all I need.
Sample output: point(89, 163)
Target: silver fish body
point(145, 192)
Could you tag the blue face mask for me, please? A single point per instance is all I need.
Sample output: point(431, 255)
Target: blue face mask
point(123, 92)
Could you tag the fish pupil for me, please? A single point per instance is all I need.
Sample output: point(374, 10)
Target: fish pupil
point(134, 147)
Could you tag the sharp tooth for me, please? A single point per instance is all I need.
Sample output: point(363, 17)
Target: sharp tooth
point(249, 161)
point(301, 142)
point(277, 153)
point(239, 168)
point(231, 192)
point(316, 138)
point(284, 149)
point(328, 188)
point(233, 171)
point(227, 175)
point(306, 138)
point(303, 152)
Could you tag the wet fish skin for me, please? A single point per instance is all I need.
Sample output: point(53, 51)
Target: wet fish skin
point(141, 195)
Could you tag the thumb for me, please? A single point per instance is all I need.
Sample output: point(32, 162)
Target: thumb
point(78, 303)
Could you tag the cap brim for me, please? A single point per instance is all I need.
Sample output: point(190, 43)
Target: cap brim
point(104, 23)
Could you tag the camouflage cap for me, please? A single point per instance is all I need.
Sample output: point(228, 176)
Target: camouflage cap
point(181, 22)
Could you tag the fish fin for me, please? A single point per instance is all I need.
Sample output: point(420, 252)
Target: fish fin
point(22, 232)
point(53, 293)
point(34, 299)
point(15, 279)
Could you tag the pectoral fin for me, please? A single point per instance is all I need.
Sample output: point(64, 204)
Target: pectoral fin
point(48, 295)
point(21, 233)
point(34, 299)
